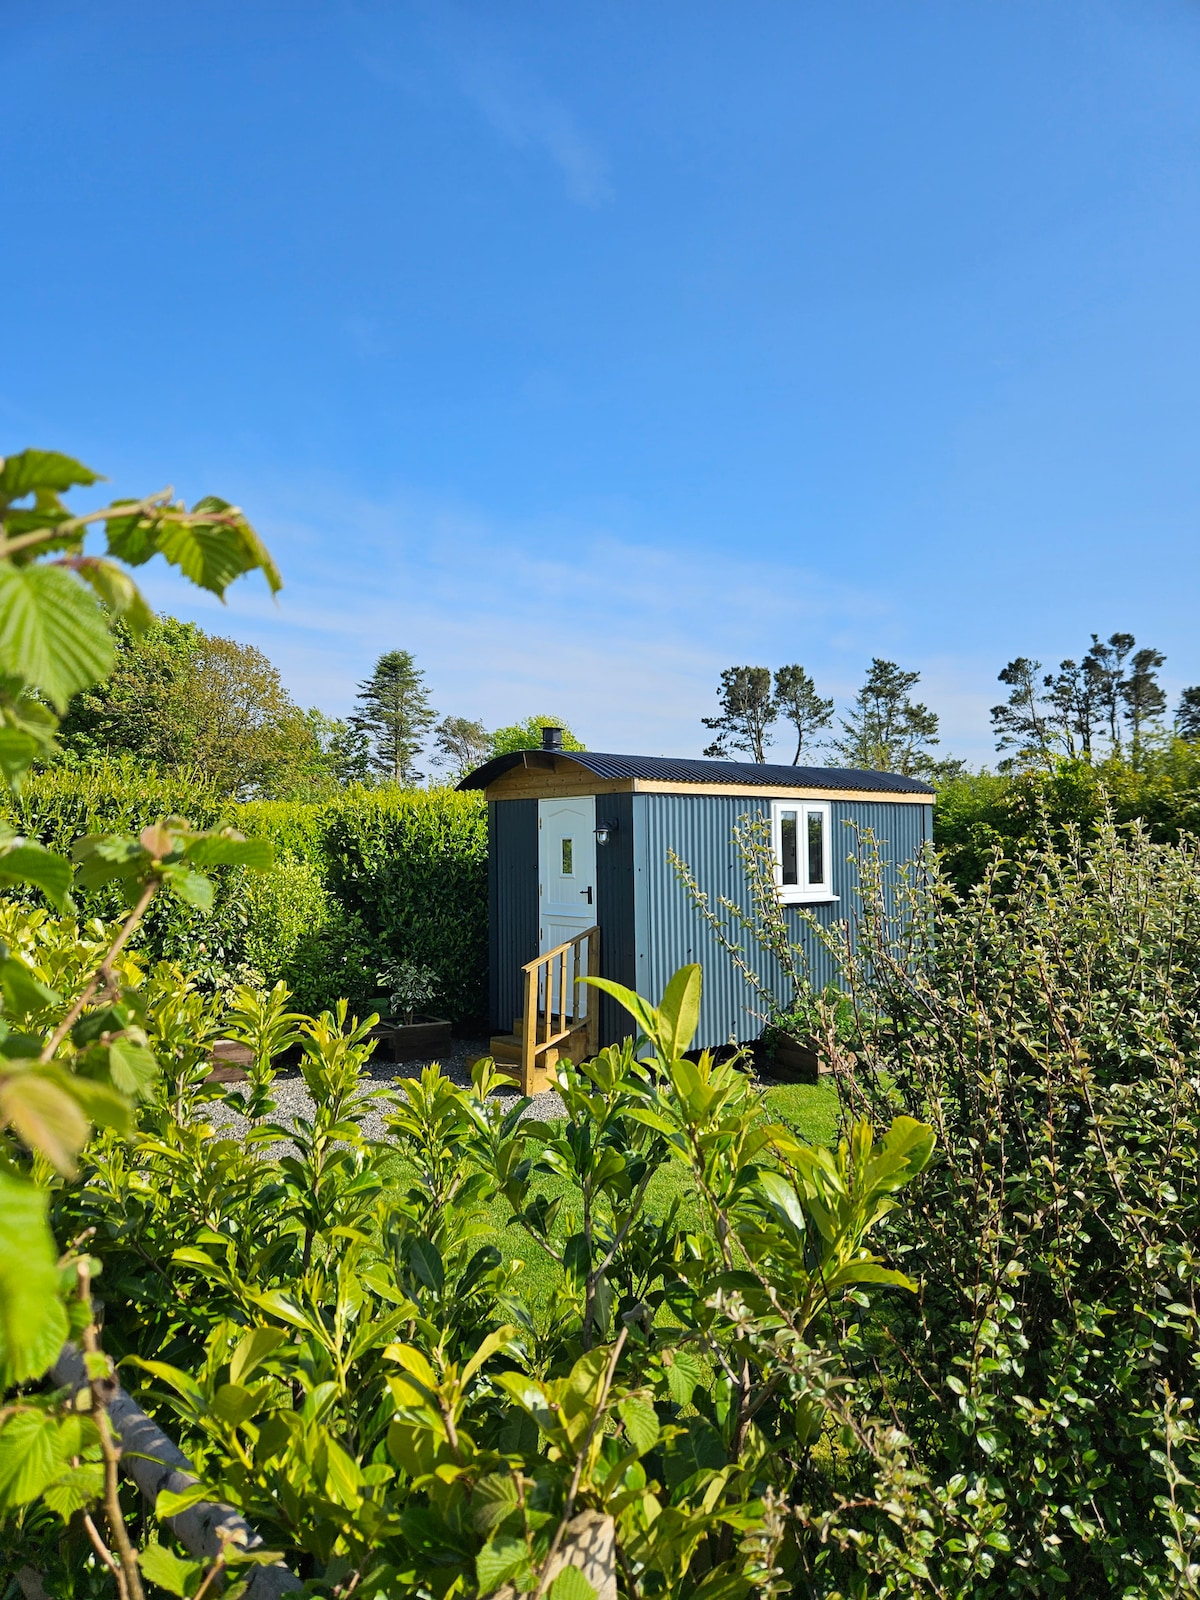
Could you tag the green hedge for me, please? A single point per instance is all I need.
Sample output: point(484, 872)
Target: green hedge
point(977, 814)
point(359, 880)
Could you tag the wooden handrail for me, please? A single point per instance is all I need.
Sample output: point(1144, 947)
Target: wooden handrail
point(555, 975)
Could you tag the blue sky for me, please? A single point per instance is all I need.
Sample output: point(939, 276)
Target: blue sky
point(586, 349)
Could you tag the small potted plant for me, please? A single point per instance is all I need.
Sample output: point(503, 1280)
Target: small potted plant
point(409, 988)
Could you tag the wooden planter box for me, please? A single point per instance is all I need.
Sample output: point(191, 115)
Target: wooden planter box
point(410, 1041)
point(794, 1061)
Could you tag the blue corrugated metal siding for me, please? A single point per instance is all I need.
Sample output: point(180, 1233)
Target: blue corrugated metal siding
point(615, 910)
point(671, 932)
point(512, 904)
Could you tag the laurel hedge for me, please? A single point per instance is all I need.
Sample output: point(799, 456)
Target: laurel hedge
point(359, 880)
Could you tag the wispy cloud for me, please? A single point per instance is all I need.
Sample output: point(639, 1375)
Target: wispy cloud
point(623, 638)
point(528, 118)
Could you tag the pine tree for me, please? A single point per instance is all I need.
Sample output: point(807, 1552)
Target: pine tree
point(885, 730)
point(395, 715)
point(1187, 714)
point(797, 700)
point(1020, 724)
point(747, 711)
point(1106, 663)
point(1143, 694)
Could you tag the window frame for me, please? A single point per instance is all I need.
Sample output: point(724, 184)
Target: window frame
point(803, 893)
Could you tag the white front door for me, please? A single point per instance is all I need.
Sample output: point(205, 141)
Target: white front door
point(566, 869)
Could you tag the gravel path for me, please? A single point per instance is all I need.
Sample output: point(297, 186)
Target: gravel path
point(292, 1099)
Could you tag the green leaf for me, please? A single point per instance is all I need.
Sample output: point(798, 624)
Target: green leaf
point(782, 1200)
point(496, 1340)
point(103, 1104)
point(45, 1118)
point(29, 862)
point(116, 591)
point(29, 470)
point(684, 1373)
point(33, 1323)
point(24, 995)
point(640, 1010)
point(131, 1068)
point(29, 1456)
point(169, 1571)
point(230, 849)
point(570, 1584)
point(498, 1561)
point(425, 1259)
point(17, 753)
point(679, 1011)
point(343, 1476)
point(903, 1153)
point(193, 888)
point(53, 634)
point(641, 1423)
point(253, 1350)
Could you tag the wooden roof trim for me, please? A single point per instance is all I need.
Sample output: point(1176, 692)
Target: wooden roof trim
point(524, 784)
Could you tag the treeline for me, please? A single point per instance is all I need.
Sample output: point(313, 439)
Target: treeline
point(185, 702)
point(1107, 705)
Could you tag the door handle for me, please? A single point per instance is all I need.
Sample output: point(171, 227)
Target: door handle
point(588, 892)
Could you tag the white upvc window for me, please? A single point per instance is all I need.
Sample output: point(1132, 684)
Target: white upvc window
point(800, 833)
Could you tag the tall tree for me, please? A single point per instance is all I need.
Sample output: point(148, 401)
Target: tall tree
point(1187, 714)
point(747, 712)
point(178, 697)
point(461, 745)
point(343, 753)
point(527, 735)
point(886, 730)
point(797, 700)
point(395, 715)
point(1106, 664)
point(1074, 705)
point(1020, 724)
point(1143, 694)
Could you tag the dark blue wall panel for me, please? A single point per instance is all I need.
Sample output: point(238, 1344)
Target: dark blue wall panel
point(512, 904)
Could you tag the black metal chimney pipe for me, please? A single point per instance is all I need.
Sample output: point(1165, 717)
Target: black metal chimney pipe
point(551, 738)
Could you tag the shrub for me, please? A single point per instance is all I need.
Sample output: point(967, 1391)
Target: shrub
point(976, 814)
point(1049, 1031)
point(409, 873)
point(374, 876)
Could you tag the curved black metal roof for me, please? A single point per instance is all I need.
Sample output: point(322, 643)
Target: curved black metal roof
point(677, 769)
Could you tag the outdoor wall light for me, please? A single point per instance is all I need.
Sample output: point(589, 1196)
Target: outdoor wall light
point(605, 831)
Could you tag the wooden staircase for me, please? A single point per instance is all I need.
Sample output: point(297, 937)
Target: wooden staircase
point(565, 1013)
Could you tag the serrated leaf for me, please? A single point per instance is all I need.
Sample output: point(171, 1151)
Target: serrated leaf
point(29, 862)
point(498, 1561)
point(641, 1423)
point(169, 1571)
point(17, 753)
point(24, 995)
point(33, 1323)
point(570, 1584)
point(193, 888)
point(131, 1068)
point(45, 1118)
point(29, 470)
point(53, 633)
point(683, 1374)
point(116, 591)
point(29, 1456)
point(229, 849)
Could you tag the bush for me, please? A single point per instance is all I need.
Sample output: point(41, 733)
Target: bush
point(1048, 1029)
point(368, 878)
point(979, 813)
